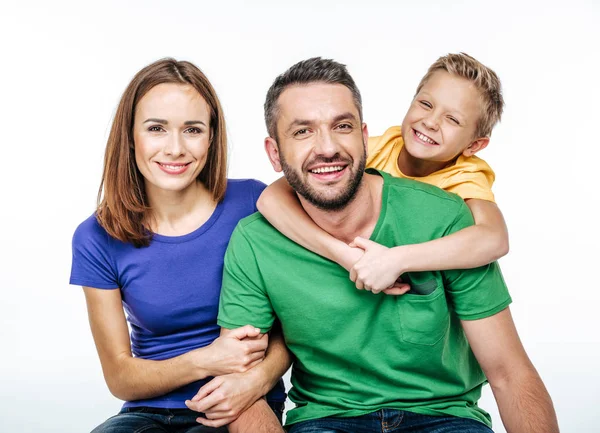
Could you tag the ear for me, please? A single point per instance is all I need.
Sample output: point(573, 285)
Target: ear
point(476, 145)
point(272, 150)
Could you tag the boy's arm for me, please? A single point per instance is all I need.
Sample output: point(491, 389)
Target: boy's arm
point(471, 247)
point(280, 206)
point(524, 403)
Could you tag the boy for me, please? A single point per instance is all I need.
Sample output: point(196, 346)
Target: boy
point(456, 106)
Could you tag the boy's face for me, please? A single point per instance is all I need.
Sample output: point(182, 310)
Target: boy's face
point(441, 121)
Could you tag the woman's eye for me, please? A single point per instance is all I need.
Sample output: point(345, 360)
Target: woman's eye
point(425, 104)
point(193, 130)
point(155, 128)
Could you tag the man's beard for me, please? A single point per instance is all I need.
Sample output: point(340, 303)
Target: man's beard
point(317, 199)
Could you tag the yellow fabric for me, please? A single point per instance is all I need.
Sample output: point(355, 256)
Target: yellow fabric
point(469, 177)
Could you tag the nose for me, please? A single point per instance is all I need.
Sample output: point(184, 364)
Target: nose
point(430, 121)
point(326, 145)
point(174, 145)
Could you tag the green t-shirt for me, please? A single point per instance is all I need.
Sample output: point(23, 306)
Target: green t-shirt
point(356, 352)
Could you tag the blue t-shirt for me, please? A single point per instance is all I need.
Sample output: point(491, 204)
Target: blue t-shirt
point(170, 289)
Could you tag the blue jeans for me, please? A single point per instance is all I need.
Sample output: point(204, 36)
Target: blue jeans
point(391, 421)
point(158, 420)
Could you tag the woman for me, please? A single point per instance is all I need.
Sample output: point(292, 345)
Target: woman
point(154, 248)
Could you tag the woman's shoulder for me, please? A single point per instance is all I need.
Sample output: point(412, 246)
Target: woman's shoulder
point(90, 232)
point(245, 190)
point(245, 185)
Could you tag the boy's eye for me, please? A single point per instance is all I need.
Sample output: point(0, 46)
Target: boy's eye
point(425, 104)
point(452, 119)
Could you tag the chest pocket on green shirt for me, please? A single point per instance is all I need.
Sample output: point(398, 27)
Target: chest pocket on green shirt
point(423, 311)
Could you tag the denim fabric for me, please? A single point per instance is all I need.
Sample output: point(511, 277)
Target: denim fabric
point(391, 421)
point(159, 420)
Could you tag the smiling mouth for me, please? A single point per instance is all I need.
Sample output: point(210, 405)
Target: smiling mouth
point(175, 166)
point(425, 138)
point(332, 169)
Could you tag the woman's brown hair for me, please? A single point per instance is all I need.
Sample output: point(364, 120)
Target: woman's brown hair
point(122, 202)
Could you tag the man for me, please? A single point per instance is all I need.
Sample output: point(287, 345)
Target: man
point(366, 362)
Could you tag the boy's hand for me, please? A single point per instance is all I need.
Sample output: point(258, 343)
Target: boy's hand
point(378, 270)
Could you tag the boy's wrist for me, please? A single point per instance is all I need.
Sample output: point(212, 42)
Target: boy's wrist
point(401, 258)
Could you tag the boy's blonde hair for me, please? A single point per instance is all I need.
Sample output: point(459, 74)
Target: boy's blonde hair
point(485, 80)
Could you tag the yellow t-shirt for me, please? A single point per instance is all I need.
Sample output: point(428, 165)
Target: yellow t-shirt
point(469, 177)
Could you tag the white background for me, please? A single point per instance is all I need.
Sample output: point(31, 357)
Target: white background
point(64, 66)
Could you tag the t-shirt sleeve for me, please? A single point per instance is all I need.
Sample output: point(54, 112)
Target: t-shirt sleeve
point(479, 292)
point(244, 300)
point(91, 265)
point(473, 179)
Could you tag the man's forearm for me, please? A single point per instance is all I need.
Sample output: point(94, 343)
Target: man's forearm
point(525, 405)
point(259, 418)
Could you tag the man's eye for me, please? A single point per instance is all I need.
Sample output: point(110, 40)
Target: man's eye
point(425, 104)
point(300, 132)
point(345, 126)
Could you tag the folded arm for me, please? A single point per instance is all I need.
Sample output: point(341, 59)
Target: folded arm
point(477, 245)
point(131, 378)
point(524, 403)
point(225, 398)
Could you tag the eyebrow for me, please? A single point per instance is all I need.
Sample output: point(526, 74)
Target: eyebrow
point(339, 117)
point(166, 122)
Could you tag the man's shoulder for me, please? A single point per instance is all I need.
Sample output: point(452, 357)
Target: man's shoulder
point(256, 228)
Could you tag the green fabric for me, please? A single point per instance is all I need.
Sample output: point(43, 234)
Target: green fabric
point(357, 352)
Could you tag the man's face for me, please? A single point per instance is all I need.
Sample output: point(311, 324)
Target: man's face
point(321, 145)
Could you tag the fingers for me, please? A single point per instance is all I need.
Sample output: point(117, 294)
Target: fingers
point(244, 332)
point(397, 289)
point(215, 422)
point(361, 243)
point(253, 346)
point(207, 389)
point(353, 274)
point(205, 404)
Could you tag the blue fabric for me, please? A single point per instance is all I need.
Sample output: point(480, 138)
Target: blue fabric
point(391, 421)
point(150, 420)
point(171, 288)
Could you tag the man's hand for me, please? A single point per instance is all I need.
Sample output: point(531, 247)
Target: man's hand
point(224, 398)
point(378, 270)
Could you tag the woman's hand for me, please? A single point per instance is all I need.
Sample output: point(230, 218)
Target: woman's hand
point(236, 351)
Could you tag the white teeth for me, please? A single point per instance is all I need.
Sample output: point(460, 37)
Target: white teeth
point(172, 167)
point(425, 138)
point(327, 169)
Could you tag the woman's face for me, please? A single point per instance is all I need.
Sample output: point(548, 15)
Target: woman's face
point(172, 135)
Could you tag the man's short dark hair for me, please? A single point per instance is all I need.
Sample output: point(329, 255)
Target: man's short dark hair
point(313, 70)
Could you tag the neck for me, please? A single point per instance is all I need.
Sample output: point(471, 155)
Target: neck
point(415, 167)
point(357, 218)
point(176, 213)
